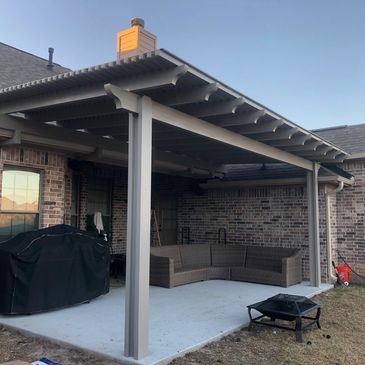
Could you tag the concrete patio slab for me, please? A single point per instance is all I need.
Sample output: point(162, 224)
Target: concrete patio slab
point(182, 319)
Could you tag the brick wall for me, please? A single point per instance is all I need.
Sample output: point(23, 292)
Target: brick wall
point(52, 165)
point(351, 219)
point(272, 216)
point(275, 216)
point(118, 177)
point(119, 213)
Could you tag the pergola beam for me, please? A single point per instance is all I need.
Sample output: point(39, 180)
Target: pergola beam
point(339, 158)
point(262, 127)
point(129, 101)
point(86, 143)
point(16, 139)
point(310, 146)
point(198, 94)
point(156, 79)
point(286, 133)
point(221, 108)
point(111, 131)
point(74, 111)
point(296, 140)
point(238, 119)
point(320, 151)
point(113, 120)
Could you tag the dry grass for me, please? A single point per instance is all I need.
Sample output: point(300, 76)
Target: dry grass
point(343, 319)
point(341, 340)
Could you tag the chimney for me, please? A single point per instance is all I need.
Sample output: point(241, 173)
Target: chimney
point(50, 58)
point(135, 40)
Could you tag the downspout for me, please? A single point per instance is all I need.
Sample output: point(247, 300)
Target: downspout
point(339, 188)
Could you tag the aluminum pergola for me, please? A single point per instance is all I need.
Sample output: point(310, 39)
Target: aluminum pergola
point(157, 112)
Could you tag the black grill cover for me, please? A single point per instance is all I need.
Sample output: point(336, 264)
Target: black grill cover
point(52, 268)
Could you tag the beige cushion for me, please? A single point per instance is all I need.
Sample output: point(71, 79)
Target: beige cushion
point(228, 255)
point(172, 252)
point(195, 255)
point(190, 275)
point(219, 273)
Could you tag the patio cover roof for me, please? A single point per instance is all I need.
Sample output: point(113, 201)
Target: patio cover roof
point(157, 107)
point(94, 129)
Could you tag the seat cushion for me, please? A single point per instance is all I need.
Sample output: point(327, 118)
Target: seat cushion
point(257, 276)
point(186, 275)
point(172, 252)
point(228, 255)
point(195, 255)
point(218, 273)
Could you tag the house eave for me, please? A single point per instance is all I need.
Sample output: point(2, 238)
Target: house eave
point(217, 185)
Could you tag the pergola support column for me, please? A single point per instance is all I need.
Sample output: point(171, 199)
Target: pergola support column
point(313, 227)
point(138, 231)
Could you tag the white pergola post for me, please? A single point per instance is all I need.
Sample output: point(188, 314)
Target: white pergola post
point(138, 231)
point(313, 227)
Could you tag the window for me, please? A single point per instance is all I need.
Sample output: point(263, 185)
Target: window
point(99, 200)
point(19, 202)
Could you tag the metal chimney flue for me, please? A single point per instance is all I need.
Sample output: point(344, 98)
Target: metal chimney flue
point(137, 22)
point(50, 58)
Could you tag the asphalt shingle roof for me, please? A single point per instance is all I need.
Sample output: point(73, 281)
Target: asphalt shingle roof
point(350, 138)
point(17, 67)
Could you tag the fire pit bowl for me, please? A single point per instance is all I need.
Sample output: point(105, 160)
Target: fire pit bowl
point(288, 308)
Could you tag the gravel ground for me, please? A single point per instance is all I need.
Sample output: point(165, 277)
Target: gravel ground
point(340, 342)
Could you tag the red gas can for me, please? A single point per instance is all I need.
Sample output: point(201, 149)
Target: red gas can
point(344, 274)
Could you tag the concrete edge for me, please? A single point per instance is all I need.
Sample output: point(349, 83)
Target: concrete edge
point(70, 346)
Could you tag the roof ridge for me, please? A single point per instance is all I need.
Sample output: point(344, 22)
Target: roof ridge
point(337, 127)
point(32, 54)
point(330, 128)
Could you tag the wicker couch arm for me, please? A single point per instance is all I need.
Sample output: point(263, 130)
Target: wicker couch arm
point(161, 271)
point(292, 268)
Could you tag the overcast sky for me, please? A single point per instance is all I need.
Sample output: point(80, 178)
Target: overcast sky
point(303, 59)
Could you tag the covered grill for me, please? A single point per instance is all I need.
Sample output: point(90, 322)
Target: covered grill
point(52, 268)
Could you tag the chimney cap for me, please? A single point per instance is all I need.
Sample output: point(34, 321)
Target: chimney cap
point(137, 22)
point(50, 57)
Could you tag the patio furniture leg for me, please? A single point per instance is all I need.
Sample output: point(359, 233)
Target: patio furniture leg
point(251, 321)
point(317, 318)
point(298, 329)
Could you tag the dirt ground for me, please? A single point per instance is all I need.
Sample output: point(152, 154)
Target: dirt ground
point(340, 342)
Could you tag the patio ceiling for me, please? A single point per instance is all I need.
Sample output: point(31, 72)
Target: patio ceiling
point(94, 129)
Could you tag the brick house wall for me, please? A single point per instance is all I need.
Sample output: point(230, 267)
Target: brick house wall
point(118, 178)
point(52, 166)
point(272, 216)
point(350, 208)
point(275, 216)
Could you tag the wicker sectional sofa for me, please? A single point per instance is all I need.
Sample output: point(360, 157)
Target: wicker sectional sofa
point(175, 265)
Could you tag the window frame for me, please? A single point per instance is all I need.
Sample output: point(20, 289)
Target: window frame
point(38, 212)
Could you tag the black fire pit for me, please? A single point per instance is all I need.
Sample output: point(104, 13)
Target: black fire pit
point(288, 308)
